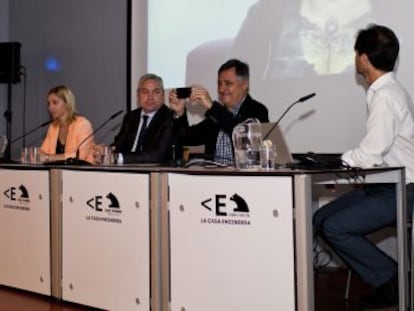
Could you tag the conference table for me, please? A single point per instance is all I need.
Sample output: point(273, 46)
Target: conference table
point(162, 238)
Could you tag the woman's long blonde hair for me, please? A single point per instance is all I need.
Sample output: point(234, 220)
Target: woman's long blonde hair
point(65, 94)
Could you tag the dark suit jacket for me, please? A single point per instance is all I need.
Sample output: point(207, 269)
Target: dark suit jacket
point(158, 138)
point(218, 118)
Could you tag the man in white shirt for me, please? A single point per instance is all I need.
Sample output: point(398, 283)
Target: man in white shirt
point(389, 141)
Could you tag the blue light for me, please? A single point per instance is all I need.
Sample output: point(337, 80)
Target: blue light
point(52, 64)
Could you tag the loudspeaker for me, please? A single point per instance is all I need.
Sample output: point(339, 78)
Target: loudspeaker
point(10, 62)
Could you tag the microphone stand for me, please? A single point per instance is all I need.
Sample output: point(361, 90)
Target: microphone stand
point(31, 131)
point(76, 160)
point(300, 100)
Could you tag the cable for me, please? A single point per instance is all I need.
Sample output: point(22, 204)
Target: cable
point(322, 258)
point(354, 175)
point(205, 163)
point(23, 73)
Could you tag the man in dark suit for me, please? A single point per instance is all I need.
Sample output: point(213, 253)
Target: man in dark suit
point(146, 133)
point(234, 106)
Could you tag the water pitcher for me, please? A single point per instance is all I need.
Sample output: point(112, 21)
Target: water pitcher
point(247, 139)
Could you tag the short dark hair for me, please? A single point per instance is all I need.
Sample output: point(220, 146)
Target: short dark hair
point(380, 44)
point(241, 68)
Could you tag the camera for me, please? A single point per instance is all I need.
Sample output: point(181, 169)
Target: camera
point(183, 92)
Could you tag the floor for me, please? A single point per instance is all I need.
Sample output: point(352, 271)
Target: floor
point(330, 291)
point(329, 296)
point(17, 300)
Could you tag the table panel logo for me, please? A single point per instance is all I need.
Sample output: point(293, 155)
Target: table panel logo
point(226, 210)
point(106, 208)
point(17, 198)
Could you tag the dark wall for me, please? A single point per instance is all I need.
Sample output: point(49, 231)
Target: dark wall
point(82, 44)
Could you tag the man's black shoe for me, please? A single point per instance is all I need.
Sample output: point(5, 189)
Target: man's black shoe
point(382, 297)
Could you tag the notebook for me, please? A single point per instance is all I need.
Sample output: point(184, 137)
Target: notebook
point(283, 154)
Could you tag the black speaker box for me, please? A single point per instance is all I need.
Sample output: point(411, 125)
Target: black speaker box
point(10, 62)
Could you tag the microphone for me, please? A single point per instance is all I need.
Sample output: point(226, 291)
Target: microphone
point(305, 98)
point(31, 131)
point(76, 160)
point(300, 100)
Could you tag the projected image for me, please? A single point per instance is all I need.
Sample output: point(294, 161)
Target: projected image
point(293, 48)
point(278, 38)
point(179, 29)
point(303, 37)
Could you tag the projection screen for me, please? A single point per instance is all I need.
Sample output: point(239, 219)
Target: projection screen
point(293, 47)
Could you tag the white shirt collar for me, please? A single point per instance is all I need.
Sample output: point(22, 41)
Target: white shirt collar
point(149, 114)
point(379, 83)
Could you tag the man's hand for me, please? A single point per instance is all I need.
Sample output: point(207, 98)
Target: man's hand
point(98, 152)
point(176, 104)
point(199, 94)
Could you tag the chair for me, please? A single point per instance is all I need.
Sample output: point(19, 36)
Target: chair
point(348, 284)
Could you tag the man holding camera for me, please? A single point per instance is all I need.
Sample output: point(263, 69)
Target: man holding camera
point(234, 106)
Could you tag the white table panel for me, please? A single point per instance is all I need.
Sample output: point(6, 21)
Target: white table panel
point(231, 243)
point(106, 258)
point(25, 230)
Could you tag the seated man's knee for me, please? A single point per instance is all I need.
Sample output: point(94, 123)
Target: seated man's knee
point(331, 229)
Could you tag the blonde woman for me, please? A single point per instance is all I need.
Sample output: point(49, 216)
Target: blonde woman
point(69, 133)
